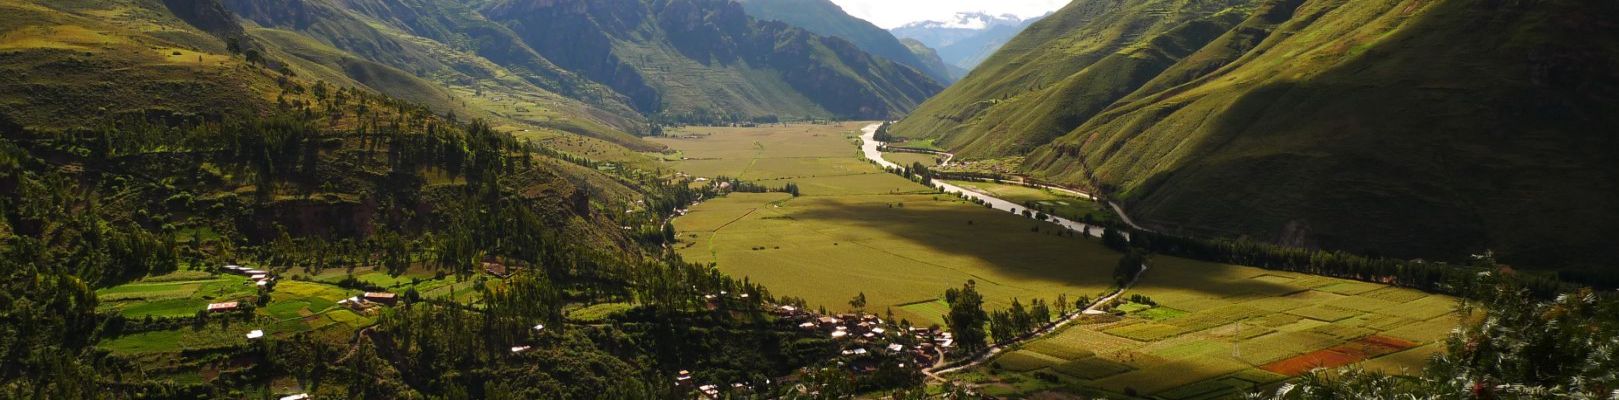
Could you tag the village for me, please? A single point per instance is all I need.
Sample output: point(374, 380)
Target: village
point(864, 340)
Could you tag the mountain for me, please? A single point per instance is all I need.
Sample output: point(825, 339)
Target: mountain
point(827, 19)
point(967, 40)
point(1413, 129)
point(706, 60)
point(930, 57)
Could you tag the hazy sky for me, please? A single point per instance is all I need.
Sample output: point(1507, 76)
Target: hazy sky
point(893, 13)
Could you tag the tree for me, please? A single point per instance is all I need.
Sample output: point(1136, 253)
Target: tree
point(1129, 265)
point(1039, 312)
point(1062, 304)
point(967, 317)
point(858, 303)
point(1114, 240)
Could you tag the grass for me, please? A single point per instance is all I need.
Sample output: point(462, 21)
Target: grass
point(1191, 346)
point(178, 294)
point(211, 336)
point(1061, 204)
point(857, 229)
point(907, 159)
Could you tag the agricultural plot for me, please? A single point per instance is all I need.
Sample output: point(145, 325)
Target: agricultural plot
point(176, 295)
point(1221, 330)
point(1057, 203)
point(907, 159)
point(858, 229)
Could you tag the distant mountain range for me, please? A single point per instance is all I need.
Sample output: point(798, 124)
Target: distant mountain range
point(827, 19)
point(968, 39)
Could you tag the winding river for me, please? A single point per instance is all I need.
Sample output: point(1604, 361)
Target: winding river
point(872, 149)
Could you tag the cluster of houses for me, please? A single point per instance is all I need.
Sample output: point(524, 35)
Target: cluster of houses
point(261, 278)
point(863, 334)
point(712, 392)
point(859, 336)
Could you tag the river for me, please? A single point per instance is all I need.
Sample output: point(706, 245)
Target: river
point(871, 147)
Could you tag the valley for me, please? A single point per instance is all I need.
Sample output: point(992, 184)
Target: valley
point(777, 199)
point(1182, 338)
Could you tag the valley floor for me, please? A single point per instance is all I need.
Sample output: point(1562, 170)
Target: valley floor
point(1213, 330)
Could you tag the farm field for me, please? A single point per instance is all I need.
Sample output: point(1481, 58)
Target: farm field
point(858, 229)
point(1056, 203)
point(298, 304)
point(907, 159)
point(1220, 331)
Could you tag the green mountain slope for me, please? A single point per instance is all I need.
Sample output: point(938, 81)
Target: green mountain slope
point(827, 19)
point(444, 55)
point(1414, 129)
point(706, 60)
point(930, 57)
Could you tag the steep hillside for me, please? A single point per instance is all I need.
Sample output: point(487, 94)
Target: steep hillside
point(75, 64)
point(441, 54)
point(827, 19)
point(1411, 128)
point(930, 57)
point(706, 60)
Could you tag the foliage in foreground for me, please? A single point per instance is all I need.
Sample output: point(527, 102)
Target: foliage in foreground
point(1566, 348)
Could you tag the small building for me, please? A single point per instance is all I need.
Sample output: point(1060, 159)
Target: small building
point(840, 334)
point(255, 334)
point(355, 303)
point(896, 347)
point(710, 391)
point(683, 379)
point(808, 326)
point(539, 327)
point(300, 396)
point(497, 269)
point(224, 307)
point(520, 349)
point(381, 297)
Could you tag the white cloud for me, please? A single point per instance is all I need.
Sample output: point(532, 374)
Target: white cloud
point(893, 13)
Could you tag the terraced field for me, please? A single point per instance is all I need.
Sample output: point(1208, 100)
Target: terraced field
point(1221, 330)
point(857, 229)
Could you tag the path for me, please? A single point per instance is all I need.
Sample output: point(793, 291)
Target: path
point(1095, 308)
point(873, 151)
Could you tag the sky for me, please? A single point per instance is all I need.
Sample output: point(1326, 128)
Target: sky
point(890, 14)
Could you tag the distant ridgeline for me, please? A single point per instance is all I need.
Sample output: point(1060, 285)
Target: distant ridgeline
point(1434, 130)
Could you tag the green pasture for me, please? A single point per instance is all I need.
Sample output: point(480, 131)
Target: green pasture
point(1218, 327)
point(1061, 204)
point(178, 294)
point(858, 229)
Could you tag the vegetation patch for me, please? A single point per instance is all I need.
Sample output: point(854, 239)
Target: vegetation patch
point(1091, 368)
point(1024, 361)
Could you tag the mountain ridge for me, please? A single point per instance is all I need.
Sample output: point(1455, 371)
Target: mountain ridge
point(1312, 123)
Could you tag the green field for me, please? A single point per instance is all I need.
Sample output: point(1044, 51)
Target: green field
point(858, 229)
point(1222, 330)
point(1061, 204)
point(906, 159)
point(180, 294)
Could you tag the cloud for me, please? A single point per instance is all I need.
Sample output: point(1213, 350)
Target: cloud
point(893, 13)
